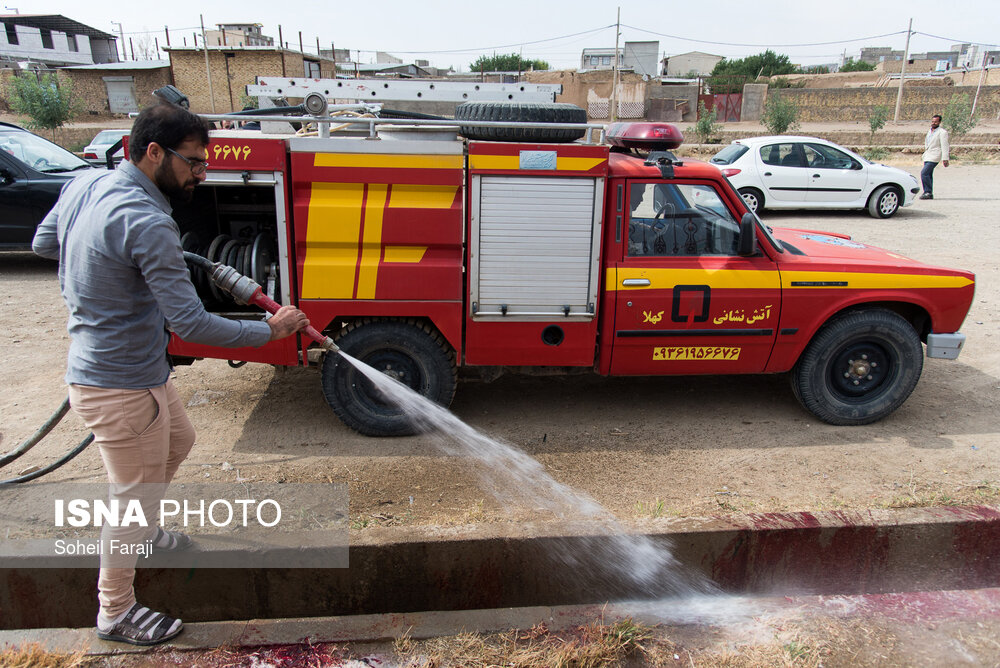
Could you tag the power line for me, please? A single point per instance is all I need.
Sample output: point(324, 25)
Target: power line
point(705, 41)
point(951, 39)
point(510, 46)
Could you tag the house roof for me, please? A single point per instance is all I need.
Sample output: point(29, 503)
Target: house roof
point(56, 22)
point(123, 65)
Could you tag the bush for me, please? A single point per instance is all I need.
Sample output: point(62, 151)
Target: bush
point(780, 115)
point(706, 127)
point(876, 153)
point(877, 119)
point(857, 66)
point(46, 101)
point(957, 117)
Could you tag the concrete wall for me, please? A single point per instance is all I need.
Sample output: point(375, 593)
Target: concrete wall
point(853, 104)
point(29, 47)
point(700, 63)
point(683, 99)
point(754, 96)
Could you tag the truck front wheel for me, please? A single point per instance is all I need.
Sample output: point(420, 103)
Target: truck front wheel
point(859, 368)
point(412, 352)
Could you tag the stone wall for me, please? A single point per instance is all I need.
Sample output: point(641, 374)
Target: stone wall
point(853, 104)
point(90, 90)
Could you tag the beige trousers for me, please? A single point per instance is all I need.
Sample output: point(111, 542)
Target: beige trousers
point(143, 436)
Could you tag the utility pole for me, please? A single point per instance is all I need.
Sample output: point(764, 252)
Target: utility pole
point(902, 72)
point(208, 69)
point(982, 75)
point(614, 70)
point(122, 36)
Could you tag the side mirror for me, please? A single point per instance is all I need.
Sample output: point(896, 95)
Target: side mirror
point(748, 235)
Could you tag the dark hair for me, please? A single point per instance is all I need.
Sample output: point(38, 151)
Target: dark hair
point(166, 124)
point(937, 116)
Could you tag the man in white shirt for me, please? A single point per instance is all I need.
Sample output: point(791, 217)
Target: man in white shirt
point(936, 150)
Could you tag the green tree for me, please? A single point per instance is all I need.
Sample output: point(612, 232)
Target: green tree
point(814, 69)
point(877, 119)
point(780, 115)
point(511, 62)
point(48, 102)
point(957, 117)
point(856, 66)
point(728, 76)
point(706, 127)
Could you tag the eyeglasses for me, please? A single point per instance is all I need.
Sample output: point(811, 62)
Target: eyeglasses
point(198, 167)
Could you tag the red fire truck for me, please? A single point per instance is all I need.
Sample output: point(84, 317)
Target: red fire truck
point(420, 251)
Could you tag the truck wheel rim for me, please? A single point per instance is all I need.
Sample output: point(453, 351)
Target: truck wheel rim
point(859, 370)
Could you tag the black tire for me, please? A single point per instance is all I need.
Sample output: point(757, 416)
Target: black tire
point(524, 113)
point(411, 351)
point(859, 368)
point(884, 202)
point(753, 198)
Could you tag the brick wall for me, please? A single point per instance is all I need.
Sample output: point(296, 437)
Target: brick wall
point(89, 88)
point(230, 79)
point(853, 104)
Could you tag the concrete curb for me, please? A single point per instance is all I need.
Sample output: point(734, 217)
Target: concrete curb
point(427, 568)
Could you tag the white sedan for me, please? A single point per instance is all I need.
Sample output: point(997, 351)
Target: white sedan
point(809, 173)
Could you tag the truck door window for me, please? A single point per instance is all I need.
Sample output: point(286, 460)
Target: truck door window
point(679, 220)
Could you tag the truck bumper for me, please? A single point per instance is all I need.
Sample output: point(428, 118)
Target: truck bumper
point(945, 346)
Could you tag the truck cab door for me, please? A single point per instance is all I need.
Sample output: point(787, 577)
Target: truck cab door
point(686, 301)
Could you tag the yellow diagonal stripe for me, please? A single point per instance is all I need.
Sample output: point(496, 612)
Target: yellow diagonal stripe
point(371, 244)
point(870, 281)
point(392, 161)
point(404, 253)
point(332, 240)
point(577, 164)
point(406, 196)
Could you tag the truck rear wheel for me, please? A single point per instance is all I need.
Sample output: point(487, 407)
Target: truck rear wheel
point(412, 352)
point(859, 368)
point(524, 113)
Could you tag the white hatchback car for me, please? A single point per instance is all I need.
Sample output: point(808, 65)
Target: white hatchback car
point(788, 172)
point(95, 152)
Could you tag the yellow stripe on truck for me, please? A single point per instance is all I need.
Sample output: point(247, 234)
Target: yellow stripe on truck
point(660, 279)
point(332, 240)
point(859, 281)
point(406, 196)
point(371, 244)
point(563, 163)
point(389, 161)
point(663, 279)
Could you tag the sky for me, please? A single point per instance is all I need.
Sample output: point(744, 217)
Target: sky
point(456, 33)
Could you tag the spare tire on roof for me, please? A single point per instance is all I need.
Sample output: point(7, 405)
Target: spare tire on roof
point(525, 113)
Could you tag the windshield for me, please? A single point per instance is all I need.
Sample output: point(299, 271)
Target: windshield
point(108, 137)
point(38, 153)
point(729, 155)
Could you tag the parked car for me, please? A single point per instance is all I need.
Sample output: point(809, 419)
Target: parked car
point(786, 172)
point(96, 151)
point(33, 171)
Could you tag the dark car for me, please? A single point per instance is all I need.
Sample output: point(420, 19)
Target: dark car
point(32, 173)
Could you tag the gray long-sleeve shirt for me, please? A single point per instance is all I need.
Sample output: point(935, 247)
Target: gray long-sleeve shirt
point(124, 279)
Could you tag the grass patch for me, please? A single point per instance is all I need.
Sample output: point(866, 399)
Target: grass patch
point(650, 509)
point(596, 645)
point(34, 655)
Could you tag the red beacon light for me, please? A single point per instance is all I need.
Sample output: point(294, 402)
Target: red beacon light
point(645, 136)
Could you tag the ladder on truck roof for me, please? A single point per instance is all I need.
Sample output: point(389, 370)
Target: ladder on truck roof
point(405, 89)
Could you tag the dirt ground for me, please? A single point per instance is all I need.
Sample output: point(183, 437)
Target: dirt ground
point(648, 449)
